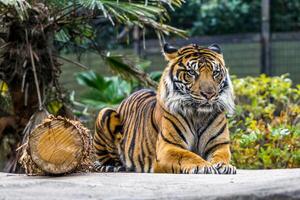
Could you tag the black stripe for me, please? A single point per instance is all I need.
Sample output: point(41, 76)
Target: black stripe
point(104, 160)
point(118, 129)
point(108, 123)
point(152, 116)
point(216, 135)
point(140, 161)
point(105, 115)
point(186, 121)
point(150, 164)
point(135, 129)
point(187, 50)
point(98, 143)
point(142, 138)
point(168, 141)
point(211, 120)
point(174, 117)
point(177, 119)
point(142, 156)
point(104, 139)
point(207, 152)
point(177, 130)
point(102, 152)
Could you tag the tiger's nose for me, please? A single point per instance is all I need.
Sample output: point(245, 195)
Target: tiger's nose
point(208, 94)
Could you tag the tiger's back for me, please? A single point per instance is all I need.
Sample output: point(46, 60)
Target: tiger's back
point(131, 131)
point(139, 131)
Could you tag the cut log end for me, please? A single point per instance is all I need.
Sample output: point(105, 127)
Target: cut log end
point(57, 146)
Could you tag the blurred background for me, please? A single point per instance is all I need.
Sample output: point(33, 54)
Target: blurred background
point(105, 50)
point(253, 41)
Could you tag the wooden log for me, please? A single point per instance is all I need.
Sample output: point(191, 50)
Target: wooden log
point(57, 146)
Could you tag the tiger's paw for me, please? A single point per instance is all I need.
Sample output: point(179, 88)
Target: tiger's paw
point(225, 169)
point(202, 170)
point(107, 168)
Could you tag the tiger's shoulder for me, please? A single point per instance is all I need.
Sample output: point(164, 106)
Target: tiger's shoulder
point(136, 100)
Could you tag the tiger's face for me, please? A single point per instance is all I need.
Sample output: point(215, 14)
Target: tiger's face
point(196, 80)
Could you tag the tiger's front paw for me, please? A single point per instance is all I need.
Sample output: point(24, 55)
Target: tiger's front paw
point(207, 169)
point(225, 169)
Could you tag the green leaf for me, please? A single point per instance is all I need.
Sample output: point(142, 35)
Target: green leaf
point(155, 75)
point(128, 71)
point(93, 80)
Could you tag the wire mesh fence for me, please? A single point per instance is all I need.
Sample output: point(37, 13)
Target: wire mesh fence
point(242, 53)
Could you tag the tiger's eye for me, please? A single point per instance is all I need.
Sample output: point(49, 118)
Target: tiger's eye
point(191, 72)
point(216, 73)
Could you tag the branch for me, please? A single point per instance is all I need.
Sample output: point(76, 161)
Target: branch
point(73, 62)
point(35, 77)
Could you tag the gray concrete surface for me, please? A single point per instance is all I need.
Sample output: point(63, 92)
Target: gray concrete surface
point(247, 184)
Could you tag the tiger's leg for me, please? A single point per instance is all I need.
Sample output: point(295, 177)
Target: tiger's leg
point(220, 157)
point(217, 152)
point(106, 138)
point(175, 159)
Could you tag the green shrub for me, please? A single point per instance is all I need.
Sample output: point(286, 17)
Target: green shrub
point(103, 91)
point(265, 129)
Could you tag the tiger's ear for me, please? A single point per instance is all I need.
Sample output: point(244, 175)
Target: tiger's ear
point(170, 52)
point(216, 48)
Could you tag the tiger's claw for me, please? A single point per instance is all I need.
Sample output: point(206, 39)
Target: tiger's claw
point(225, 169)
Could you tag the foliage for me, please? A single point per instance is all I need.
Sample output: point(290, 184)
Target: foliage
point(37, 25)
point(285, 15)
point(223, 17)
point(103, 91)
point(130, 71)
point(266, 127)
point(100, 92)
point(235, 16)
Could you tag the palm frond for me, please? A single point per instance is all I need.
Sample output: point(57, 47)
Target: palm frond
point(127, 70)
point(20, 6)
point(151, 13)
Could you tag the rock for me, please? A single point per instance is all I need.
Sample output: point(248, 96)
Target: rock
point(246, 184)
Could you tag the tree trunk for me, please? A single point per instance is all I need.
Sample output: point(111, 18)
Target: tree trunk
point(31, 73)
point(57, 146)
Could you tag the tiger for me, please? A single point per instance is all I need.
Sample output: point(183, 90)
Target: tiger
point(180, 128)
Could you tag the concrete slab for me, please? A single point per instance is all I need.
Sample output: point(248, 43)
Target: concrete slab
point(246, 184)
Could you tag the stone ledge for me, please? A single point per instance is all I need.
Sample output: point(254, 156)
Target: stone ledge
point(247, 184)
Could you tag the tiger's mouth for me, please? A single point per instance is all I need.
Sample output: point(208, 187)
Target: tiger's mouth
point(204, 105)
point(205, 108)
